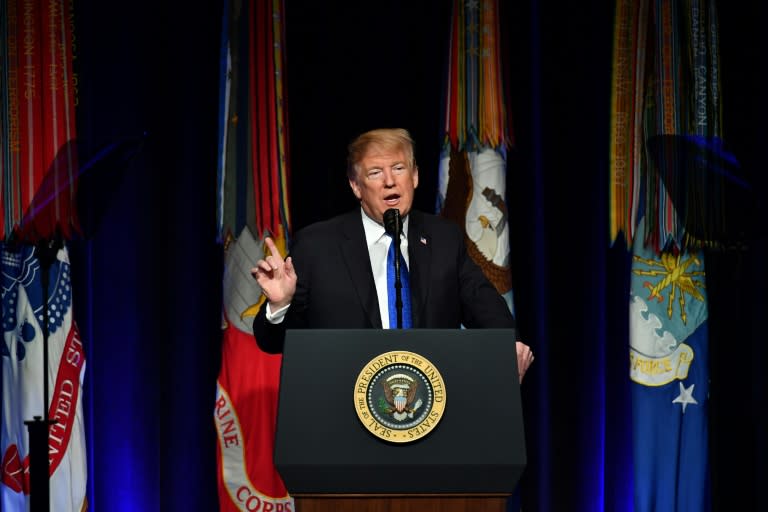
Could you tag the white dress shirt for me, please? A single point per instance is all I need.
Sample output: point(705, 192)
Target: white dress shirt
point(377, 241)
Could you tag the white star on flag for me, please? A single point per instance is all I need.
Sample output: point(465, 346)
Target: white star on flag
point(685, 397)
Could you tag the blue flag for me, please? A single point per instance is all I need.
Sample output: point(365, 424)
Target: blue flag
point(668, 368)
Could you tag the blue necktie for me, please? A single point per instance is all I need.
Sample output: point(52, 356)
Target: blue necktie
point(405, 291)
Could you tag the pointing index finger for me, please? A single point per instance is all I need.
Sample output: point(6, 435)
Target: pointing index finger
point(273, 250)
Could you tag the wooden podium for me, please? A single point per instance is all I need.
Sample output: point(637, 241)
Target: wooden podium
point(333, 456)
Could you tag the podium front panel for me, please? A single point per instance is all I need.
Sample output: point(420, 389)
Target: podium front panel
point(478, 446)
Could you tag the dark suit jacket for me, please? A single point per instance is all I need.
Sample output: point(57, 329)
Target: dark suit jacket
point(335, 288)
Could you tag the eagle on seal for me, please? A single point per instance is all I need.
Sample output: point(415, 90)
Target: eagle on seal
point(400, 391)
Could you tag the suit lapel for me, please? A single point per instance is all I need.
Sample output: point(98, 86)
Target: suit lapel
point(358, 262)
point(420, 256)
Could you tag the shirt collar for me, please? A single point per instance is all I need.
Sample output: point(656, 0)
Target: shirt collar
point(374, 231)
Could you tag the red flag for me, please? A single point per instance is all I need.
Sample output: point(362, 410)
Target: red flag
point(38, 150)
point(253, 202)
point(246, 396)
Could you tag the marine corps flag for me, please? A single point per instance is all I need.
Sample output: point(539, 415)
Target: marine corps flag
point(252, 204)
point(246, 395)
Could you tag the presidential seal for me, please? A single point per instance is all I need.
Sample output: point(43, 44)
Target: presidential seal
point(399, 396)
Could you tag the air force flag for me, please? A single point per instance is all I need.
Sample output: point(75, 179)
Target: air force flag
point(668, 356)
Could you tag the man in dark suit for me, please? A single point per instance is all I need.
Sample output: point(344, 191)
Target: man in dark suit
point(336, 276)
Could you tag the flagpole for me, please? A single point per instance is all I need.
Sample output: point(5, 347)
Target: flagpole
point(39, 426)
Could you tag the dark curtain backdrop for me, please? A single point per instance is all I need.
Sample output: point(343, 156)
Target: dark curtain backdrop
point(148, 274)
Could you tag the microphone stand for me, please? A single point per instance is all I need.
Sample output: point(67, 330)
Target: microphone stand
point(398, 284)
point(394, 226)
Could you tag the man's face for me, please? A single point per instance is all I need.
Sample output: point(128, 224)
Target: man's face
point(385, 180)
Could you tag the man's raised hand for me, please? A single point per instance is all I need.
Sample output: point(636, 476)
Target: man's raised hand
point(276, 276)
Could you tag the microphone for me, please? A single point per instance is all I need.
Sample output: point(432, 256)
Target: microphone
point(393, 225)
